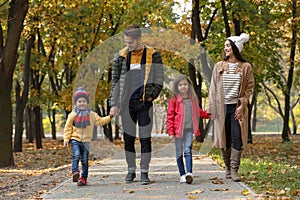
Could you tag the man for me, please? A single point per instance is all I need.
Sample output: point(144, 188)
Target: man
point(137, 79)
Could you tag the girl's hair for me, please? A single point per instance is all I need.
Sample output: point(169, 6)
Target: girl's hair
point(191, 91)
point(236, 52)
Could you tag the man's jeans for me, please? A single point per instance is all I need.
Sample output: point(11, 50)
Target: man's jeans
point(184, 146)
point(80, 151)
point(139, 113)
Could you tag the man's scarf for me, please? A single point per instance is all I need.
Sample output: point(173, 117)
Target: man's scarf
point(82, 118)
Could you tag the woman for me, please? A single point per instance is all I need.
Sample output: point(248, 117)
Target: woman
point(231, 86)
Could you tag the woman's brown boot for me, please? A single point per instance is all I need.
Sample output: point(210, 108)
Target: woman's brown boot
point(226, 157)
point(235, 161)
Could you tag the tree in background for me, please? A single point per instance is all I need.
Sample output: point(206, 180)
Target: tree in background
point(9, 42)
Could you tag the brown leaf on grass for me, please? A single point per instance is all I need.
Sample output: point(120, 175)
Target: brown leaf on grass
point(283, 171)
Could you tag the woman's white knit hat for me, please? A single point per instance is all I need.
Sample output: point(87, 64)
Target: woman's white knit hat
point(239, 40)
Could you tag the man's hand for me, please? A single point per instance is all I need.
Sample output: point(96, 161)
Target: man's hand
point(113, 111)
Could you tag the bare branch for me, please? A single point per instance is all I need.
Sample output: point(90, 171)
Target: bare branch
point(210, 23)
point(278, 109)
point(4, 3)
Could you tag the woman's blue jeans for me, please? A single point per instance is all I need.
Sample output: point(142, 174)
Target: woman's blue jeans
point(232, 128)
point(184, 148)
point(80, 151)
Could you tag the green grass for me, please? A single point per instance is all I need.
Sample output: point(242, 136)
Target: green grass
point(272, 178)
point(267, 177)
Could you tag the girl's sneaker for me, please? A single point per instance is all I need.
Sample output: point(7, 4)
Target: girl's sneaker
point(189, 178)
point(75, 176)
point(182, 179)
point(82, 181)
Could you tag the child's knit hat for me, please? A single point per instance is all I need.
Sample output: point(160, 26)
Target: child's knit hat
point(239, 40)
point(80, 93)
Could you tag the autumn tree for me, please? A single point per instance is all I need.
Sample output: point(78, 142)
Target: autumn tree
point(9, 42)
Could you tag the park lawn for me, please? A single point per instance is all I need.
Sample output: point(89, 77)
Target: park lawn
point(271, 168)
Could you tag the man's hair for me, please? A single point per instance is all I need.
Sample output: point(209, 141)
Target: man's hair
point(133, 31)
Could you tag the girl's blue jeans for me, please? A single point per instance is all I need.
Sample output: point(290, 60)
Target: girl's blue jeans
point(184, 148)
point(80, 151)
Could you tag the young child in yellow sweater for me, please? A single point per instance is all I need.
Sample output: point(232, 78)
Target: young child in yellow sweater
point(79, 132)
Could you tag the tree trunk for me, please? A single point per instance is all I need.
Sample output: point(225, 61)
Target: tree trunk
point(19, 121)
point(6, 157)
point(31, 127)
point(17, 11)
point(293, 116)
point(287, 93)
point(41, 123)
point(225, 17)
point(254, 116)
point(53, 127)
point(37, 124)
point(249, 124)
point(21, 99)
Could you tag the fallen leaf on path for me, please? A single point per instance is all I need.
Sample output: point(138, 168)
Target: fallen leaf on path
point(218, 189)
point(195, 192)
point(200, 157)
point(12, 193)
point(245, 192)
point(192, 197)
point(217, 182)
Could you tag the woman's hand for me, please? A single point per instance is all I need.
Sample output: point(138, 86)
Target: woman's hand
point(171, 137)
point(238, 113)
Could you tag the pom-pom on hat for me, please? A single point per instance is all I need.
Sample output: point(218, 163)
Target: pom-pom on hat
point(239, 40)
point(80, 93)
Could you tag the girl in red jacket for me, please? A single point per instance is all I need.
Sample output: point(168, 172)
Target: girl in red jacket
point(182, 122)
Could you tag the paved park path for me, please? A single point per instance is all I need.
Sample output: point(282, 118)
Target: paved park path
point(106, 180)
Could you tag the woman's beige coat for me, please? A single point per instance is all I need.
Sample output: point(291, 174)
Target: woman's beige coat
point(216, 101)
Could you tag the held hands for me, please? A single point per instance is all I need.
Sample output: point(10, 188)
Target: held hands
point(66, 143)
point(113, 111)
point(171, 137)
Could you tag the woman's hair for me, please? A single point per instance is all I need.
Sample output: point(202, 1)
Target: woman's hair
point(191, 91)
point(235, 51)
point(133, 31)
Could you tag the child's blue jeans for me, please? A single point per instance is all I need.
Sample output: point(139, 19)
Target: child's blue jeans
point(184, 147)
point(80, 151)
